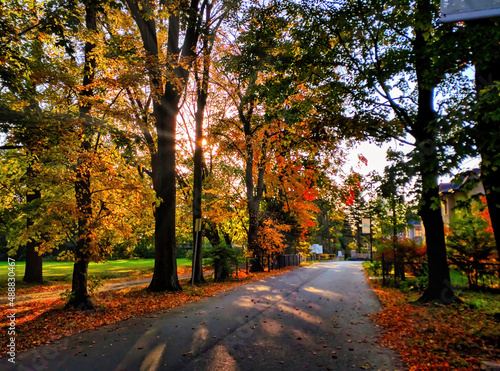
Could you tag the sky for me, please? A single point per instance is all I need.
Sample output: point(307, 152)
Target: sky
point(376, 157)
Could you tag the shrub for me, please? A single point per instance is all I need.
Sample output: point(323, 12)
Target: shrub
point(470, 242)
point(221, 258)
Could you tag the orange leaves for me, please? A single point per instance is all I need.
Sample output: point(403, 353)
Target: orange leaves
point(271, 238)
point(363, 159)
point(352, 188)
point(435, 337)
point(43, 322)
point(310, 195)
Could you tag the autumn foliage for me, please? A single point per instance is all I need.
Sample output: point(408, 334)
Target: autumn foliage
point(41, 322)
point(436, 337)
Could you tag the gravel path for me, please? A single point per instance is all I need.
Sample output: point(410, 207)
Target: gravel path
point(312, 318)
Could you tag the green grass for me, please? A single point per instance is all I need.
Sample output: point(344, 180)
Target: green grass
point(62, 271)
point(459, 279)
point(483, 301)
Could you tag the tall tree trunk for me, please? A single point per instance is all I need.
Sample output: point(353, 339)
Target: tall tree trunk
point(253, 204)
point(487, 131)
point(165, 270)
point(439, 287)
point(202, 95)
point(33, 271)
point(165, 109)
point(80, 298)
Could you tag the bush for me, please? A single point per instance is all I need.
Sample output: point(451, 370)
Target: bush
point(470, 242)
point(221, 258)
point(145, 248)
point(374, 268)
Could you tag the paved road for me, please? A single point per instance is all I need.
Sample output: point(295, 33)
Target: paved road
point(313, 318)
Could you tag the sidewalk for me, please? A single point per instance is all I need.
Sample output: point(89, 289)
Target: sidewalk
point(110, 286)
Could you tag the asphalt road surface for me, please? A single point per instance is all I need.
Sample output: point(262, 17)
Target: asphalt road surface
point(312, 318)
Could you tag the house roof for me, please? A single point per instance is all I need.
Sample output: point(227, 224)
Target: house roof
point(459, 181)
point(414, 222)
point(448, 187)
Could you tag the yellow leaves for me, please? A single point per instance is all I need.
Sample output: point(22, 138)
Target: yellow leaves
point(271, 236)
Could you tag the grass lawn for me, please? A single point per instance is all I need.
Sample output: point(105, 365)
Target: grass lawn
point(60, 273)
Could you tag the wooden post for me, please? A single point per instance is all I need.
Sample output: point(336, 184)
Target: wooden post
point(383, 269)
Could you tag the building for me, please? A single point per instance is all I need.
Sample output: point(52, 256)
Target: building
point(450, 193)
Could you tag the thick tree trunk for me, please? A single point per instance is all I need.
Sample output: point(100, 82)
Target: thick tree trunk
point(253, 231)
point(487, 137)
point(80, 298)
point(34, 265)
point(253, 206)
point(33, 271)
point(424, 131)
point(439, 288)
point(165, 270)
point(165, 109)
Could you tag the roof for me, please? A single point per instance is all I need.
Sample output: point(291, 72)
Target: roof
point(459, 181)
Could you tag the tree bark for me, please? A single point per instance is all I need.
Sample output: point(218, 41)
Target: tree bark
point(165, 270)
point(165, 109)
point(33, 271)
point(80, 298)
point(487, 134)
point(439, 288)
point(254, 198)
point(202, 95)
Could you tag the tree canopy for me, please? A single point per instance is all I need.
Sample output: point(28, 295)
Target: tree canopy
point(126, 121)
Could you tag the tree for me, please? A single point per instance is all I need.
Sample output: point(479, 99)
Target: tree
point(470, 240)
point(209, 31)
point(23, 69)
point(486, 130)
point(272, 126)
point(82, 171)
point(80, 297)
point(390, 57)
point(166, 88)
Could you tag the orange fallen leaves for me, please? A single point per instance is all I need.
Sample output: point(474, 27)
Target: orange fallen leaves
point(42, 322)
point(436, 337)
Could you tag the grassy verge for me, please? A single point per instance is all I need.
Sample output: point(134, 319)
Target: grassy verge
point(58, 275)
point(42, 322)
point(438, 337)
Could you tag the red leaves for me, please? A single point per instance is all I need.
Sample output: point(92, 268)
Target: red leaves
point(310, 195)
point(435, 337)
point(363, 159)
point(351, 195)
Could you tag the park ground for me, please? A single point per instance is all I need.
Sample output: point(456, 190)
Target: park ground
point(427, 337)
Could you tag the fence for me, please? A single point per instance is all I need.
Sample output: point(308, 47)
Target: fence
point(488, 277)
point(273, 262)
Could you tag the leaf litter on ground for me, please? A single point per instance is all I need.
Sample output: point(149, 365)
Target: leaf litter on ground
point(41, 322)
